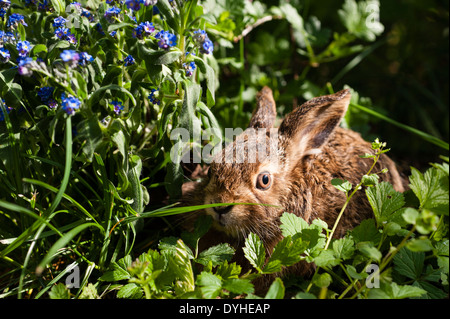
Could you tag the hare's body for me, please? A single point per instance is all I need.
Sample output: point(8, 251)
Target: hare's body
point(292, 173)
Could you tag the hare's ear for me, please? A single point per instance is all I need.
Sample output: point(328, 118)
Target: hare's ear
point(308, 127)
point(265, 112)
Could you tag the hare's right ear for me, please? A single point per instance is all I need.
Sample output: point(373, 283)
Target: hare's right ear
point(265, 112)
point(308, 127)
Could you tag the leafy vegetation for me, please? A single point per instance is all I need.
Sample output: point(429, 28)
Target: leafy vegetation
point(91, 92)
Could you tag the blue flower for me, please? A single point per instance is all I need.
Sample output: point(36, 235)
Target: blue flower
point(205, 44)
point(152, 97)
point(14, 20)
point(143, 29)
point(25, 66)
point(129, 60)
point(190, 68)
point(85, 58)
point(111, 14)
point(45, 93)
point(166, 39)
point(23, 47)
point(62, 33)
point(133, 4)
point(71, 57)
point(70, 104)
point(8, 110)
point(207, 47)
point(59, 22)
point(4, 55)
point(117, 105)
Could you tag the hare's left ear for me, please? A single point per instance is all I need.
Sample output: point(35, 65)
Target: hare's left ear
point(308, 127)
point(265, 112)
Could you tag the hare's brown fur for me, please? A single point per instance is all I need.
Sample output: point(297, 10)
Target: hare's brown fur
point(306, 153)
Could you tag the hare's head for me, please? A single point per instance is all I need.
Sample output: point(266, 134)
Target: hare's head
point(259, 166)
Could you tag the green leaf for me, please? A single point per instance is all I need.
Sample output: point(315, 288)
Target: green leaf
point(216, 255)
point(369, 250)
point(344, 248)
point(409, 263)
point(286, 253)
point(210, 285)
point(228, 271)
point(366, 231)
point(239, 286)
point(384, 201)
point(370, 180)
point(431, 189)
point(343, 186)
point(326, 258)
point(394, 291)
point(292, 224)
point(59, 291)
point(130, 291)
point(254, 251)
point(420, 244)
point(168, 57)
point(276, 290)
point(322, 280)
point(360, 18)
point(118, 270)
point(210, 77)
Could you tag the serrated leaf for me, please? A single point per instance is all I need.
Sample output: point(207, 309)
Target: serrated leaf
point(286, 253)
point(394, 291)
point(409, 263)
point(292, 224)
point(130, 291)
point(210, 285)
point(254, 251)
point(431, 189)
point(344, 248)
point(216, 255)
point(384, 201)
point(59, 291)
point(239, 286)
point(366, 231)
point(326, 258)
point(343, 186)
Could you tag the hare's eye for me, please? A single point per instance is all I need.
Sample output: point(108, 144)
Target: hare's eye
point(263, 181)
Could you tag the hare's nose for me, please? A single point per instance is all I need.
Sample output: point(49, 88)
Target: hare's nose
point(221, 210)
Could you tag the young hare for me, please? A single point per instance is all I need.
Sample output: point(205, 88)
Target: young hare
point(289, 168)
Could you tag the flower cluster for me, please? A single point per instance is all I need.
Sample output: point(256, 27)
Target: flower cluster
point(117, 106)
point(70, 104)
point(190, 68)
point(129, 60)
point(112, 14)
point(73, 58)
point(144, 29)
point(62, 32)
point(4, 6)
point(4, 55)
point(152, 97)
point(46, 93)
point(23, 47)
point(14, 20)
point(166, 39)
point(202, 40)
point(135, 5)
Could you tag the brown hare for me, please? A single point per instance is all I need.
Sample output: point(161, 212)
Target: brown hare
point(289, 168)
